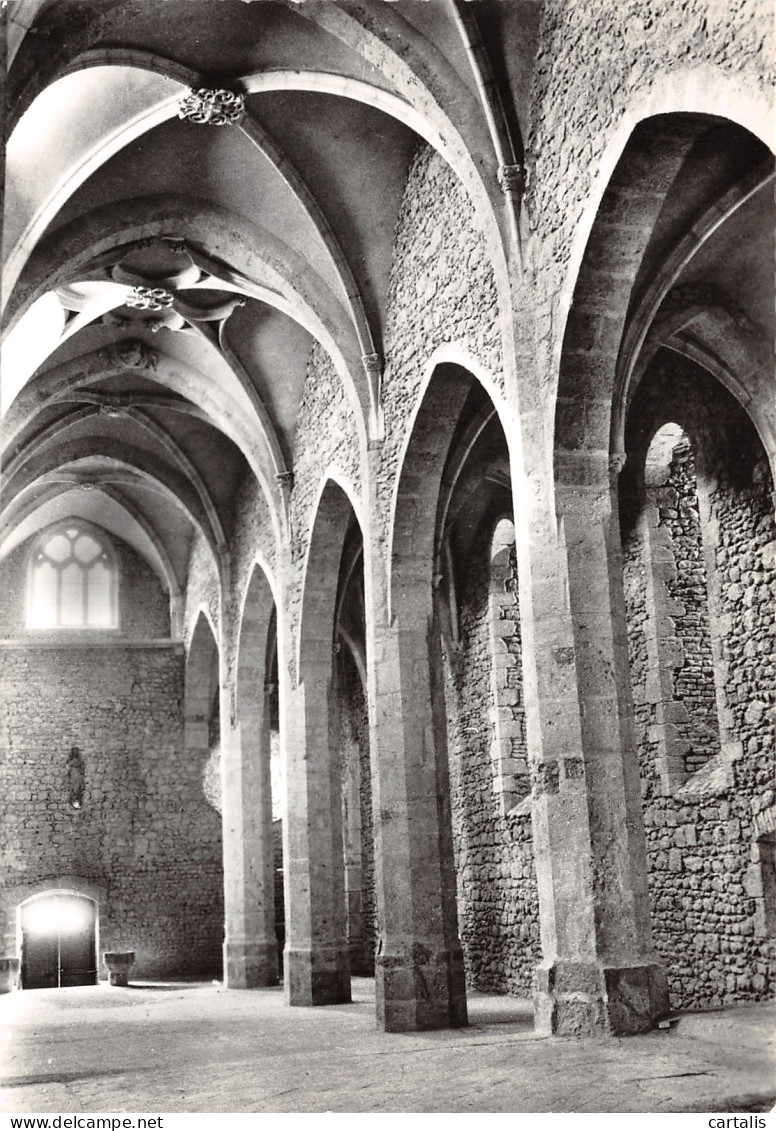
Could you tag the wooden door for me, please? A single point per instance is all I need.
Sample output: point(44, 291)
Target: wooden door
point(59, 942)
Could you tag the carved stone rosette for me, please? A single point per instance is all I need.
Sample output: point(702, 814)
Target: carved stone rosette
point(208, 107)
point(150, 298)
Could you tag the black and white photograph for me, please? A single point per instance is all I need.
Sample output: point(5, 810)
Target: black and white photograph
point(387, 561)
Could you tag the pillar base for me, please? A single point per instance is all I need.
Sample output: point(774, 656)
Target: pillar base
point(250, 965)
point(422, 990)
point(578, 999)
point(362, 959)
point(316, 975)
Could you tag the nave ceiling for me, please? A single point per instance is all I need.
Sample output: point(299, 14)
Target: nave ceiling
point(165, 279)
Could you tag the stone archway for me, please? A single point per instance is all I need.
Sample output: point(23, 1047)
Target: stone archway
point(316, 959)
point(697, 527)
point(250, 945)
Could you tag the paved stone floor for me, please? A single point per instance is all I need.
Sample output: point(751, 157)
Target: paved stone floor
point(182, 1047)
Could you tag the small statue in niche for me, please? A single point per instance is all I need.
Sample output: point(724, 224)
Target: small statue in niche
point(76, 778)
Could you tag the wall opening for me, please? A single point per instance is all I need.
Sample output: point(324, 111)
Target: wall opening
point(698, 554)
point(59, 941)
point(477, 595)
point(679, 629)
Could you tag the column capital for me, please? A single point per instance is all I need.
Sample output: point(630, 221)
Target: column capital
point(373, 368)
point(512, 179)
point(617, 462)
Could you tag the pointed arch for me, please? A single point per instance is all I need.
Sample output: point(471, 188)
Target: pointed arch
point(250, 943)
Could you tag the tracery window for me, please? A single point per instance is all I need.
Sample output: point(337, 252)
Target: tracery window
point(72, 581)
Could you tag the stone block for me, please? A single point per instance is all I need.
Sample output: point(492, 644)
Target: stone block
point(420, 990)
point(581, 999)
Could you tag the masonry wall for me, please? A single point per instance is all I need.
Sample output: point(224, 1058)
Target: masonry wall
point(694, 681)
point(442, 287)
point(144, 839)
point(202, 586)
point(442, 290)
point(681, 621)
point(591, 69)
point(443, 293)
point(327, 437)
point(705, 875)
point(354, 736)
point(594, 74)
point(497, 896)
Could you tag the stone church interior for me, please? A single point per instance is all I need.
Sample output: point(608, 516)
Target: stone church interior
point(387, 512)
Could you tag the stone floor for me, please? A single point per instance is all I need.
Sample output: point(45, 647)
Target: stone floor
point(179, 1047)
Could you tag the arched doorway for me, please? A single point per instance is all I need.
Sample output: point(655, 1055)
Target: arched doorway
point(251, 892)
point(317, 951)
point(476, 591)
point(684, 199)
point(450, 795)
point(59, 941)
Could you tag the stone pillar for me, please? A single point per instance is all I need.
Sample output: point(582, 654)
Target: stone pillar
point(250, 942)
point(351, 822)
point(600, 972)
point(7, 926)
point(419, 963)
point(317, 970)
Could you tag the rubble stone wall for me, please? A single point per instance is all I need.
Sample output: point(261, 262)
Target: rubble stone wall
point(202, 587)
point(497, 896)
point(706, 866)
point(326, 436)
point(144, 832)
point(442, 290)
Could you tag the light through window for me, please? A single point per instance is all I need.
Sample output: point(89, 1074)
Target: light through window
point(72, 582)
